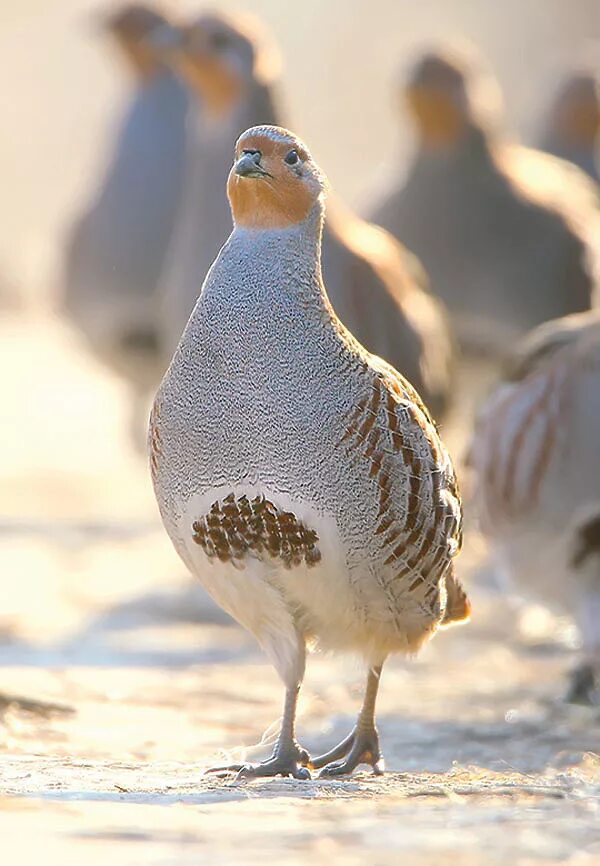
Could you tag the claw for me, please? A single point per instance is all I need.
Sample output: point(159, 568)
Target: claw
point(339, 751)
point(360, 747)
point(295, 764)
point(304, 758)
point(345, 768)
point(273, 767)
point(226, 770)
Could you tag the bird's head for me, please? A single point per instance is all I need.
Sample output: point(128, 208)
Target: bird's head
point(575, 116)
point(274, 182)
point(448, 93)
point(220, 57)
point(132, 27)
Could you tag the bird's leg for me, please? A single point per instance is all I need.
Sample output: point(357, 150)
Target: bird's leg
point(288, 759)
point(361, 746)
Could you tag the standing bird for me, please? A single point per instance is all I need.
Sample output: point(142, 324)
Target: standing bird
point(572, 125)
point(501, 230)
point(536, 458)
point(299, 477)
point(115, 253)
point(378, 289)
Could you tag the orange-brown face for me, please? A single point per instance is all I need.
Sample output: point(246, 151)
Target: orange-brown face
point(575, 113)
point(579, 119)
point(439, 119)
point(220, 56)
point(132, 29)
point(205, 61)
point(436, 94)
point(274, 182)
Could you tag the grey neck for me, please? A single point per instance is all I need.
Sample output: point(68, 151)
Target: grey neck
point(474, 143)
point(257, 105)
point(274, 265)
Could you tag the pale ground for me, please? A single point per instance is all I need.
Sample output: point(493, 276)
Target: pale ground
point(140, 684)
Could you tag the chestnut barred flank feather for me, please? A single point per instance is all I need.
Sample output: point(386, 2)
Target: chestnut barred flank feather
point(391, 428)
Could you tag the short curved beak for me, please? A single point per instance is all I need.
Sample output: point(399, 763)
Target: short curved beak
point(248, 165)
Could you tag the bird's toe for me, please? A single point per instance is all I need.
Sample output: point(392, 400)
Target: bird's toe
point(273, 767)
point(223, 771)
point(336, 768)
point(357, 756)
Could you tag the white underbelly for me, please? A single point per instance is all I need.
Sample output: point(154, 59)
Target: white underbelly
point(260, 592)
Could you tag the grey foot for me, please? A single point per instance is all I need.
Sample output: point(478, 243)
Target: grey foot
point(284, 762)
point(583, 686)
point(359, 747)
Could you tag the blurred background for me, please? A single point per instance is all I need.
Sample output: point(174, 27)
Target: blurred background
point(108, 651)
point(61, 92)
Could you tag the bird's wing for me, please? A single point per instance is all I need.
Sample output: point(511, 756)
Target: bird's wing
point(526, 420)
point(424, 317)
point(564, 190)
point(516, 435)
point(541, 345)
point(546, 178)
point(419, 521)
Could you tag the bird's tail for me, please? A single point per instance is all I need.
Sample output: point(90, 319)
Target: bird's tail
point(458, 606)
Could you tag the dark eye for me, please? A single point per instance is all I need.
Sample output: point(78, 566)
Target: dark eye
point(219, 40)
point(291, 158)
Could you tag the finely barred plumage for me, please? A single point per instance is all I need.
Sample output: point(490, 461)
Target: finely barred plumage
point(341, 508)
point(536, 456)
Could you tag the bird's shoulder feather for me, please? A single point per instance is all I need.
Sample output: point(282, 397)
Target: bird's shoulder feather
point(419, 519)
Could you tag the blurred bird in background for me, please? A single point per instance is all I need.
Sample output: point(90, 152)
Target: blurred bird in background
point(300, 478)
point(378, 289)
point(571, 129)
point(536, 458)
point(504, 232)
point(116, 250)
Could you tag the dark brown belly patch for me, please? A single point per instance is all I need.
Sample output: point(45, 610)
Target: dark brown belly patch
point(235, 529)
